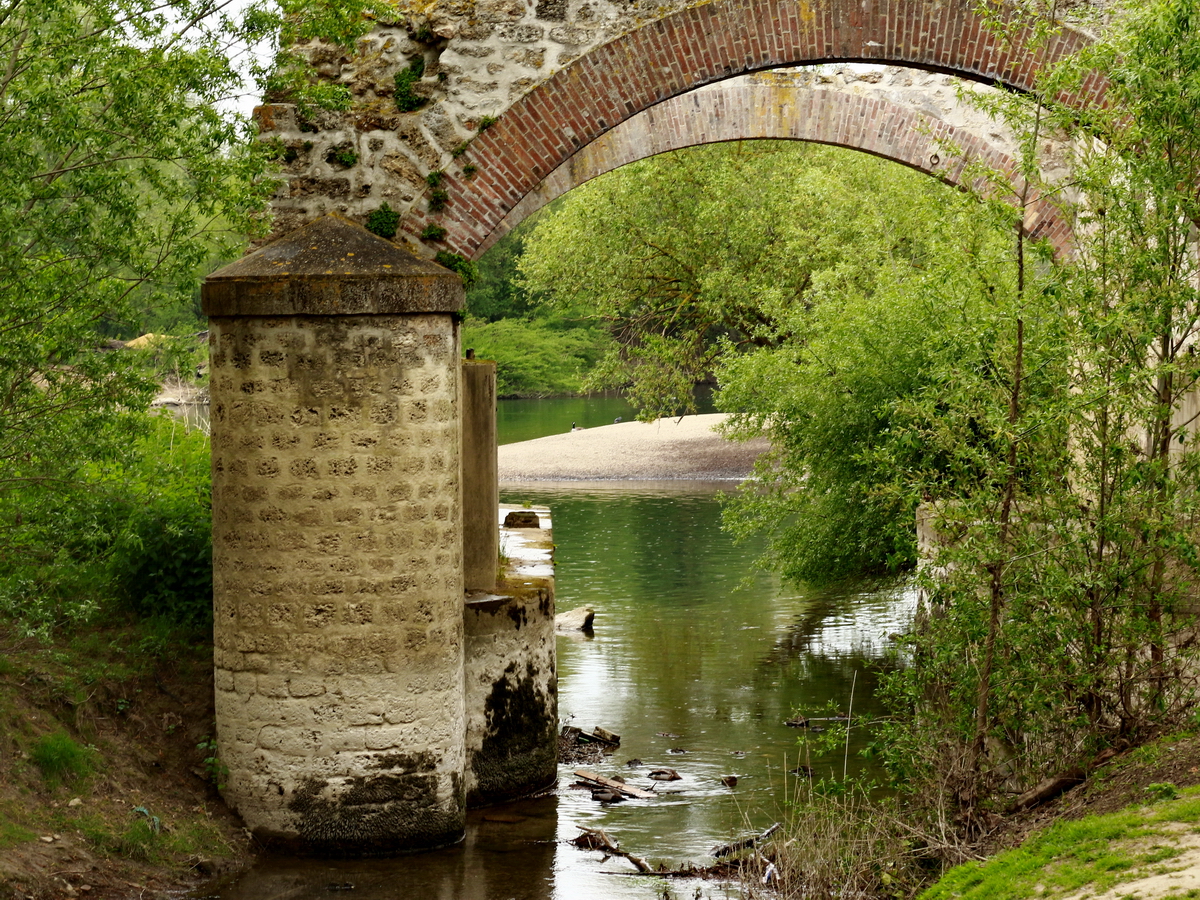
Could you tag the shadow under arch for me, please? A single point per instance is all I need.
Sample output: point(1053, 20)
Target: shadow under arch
point(708, 43)
point(784, 108)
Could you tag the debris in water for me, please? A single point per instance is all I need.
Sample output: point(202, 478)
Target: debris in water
point(667, 734)
point(633, 763)
point(729, 780)
point(744, 844)
point(677, 751)
point(665, 775)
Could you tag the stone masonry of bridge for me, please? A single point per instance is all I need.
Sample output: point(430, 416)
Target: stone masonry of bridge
point(557, 74)
point(911, 117)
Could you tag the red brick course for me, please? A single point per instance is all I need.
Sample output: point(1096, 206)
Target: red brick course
point(755, 110)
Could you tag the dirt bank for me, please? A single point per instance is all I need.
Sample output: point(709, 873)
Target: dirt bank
point(104, 791)
point(665, 450)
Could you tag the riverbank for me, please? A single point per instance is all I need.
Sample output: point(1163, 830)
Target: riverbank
point(107, 789)
point(688, 448)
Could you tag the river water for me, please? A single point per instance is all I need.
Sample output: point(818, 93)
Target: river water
point(693, 650)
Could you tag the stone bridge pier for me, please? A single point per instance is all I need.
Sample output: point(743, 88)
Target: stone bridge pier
point(339, 610)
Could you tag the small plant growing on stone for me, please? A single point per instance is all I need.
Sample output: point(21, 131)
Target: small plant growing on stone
point(460, 264)
point(434, 178)
point(433, 233)
point(469, 170)
point(437, 200)
point(486, 122)
point(383, 222)
point(407, 100)
point(343, 156)
point(423, 35)
point(459, 150)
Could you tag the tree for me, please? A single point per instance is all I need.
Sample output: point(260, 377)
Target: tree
point(815, 285)
point(124, 172)
point(1062, 615)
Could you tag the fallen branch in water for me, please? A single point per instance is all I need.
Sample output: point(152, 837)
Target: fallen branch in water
point(597, 839)
point(744, 843)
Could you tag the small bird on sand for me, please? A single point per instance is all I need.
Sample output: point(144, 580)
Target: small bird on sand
point(575, 427)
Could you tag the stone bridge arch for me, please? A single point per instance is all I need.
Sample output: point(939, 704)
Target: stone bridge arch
point(875, 113)
point(550, 77)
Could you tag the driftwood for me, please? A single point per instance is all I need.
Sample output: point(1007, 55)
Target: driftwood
point(744, 843)
point(1048, 790)
point(596, 839)
point(594, 780)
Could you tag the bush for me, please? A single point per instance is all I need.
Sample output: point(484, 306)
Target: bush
point(132, 534)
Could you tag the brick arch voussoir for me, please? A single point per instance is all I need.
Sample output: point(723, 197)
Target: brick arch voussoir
point(750, 111)
point(708, 43)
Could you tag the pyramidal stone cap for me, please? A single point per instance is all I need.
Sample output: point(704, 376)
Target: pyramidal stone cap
point(331, 267)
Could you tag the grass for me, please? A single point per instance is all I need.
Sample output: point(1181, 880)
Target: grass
point(1096, 852)
point(60, 758)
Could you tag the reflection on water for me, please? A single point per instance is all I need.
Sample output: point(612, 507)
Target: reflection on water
point(508, 853)
point(693, 650)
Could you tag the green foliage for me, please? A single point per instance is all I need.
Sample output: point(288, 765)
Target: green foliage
point(1060, 473)
point(469, 171)
point(433, 233)
point(535, 358)
point(816, 285)
point(438, 199)
point(458, 263)
point(434, 179)
point(342, 155)
point(486, 122)
point(60, 758)
point(1162, 790)
point(215, 770)
point(407, 100)
point(134, 534)
point(161, 556)
point(383, 221)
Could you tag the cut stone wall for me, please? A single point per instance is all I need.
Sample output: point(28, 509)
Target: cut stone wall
point(511, 676)
point(337, 543)
point(339, 626)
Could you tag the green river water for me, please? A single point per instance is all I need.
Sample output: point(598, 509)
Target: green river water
point(693, 650)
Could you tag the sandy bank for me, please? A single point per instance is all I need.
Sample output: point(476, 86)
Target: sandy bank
point(665, 450)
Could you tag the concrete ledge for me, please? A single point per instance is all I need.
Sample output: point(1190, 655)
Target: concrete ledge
point(331, 267)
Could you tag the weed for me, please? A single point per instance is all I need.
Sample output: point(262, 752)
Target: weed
point(437, 200)
point(469, 170)
point(342, 155)
point(215, 770)
point(434, 179)
point(433, 233)
point(60, 758)
point(1161, 790)
point(383, 222)
point(407, 100)
point(486, 122)
point(462, 148)
point(460, 264)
